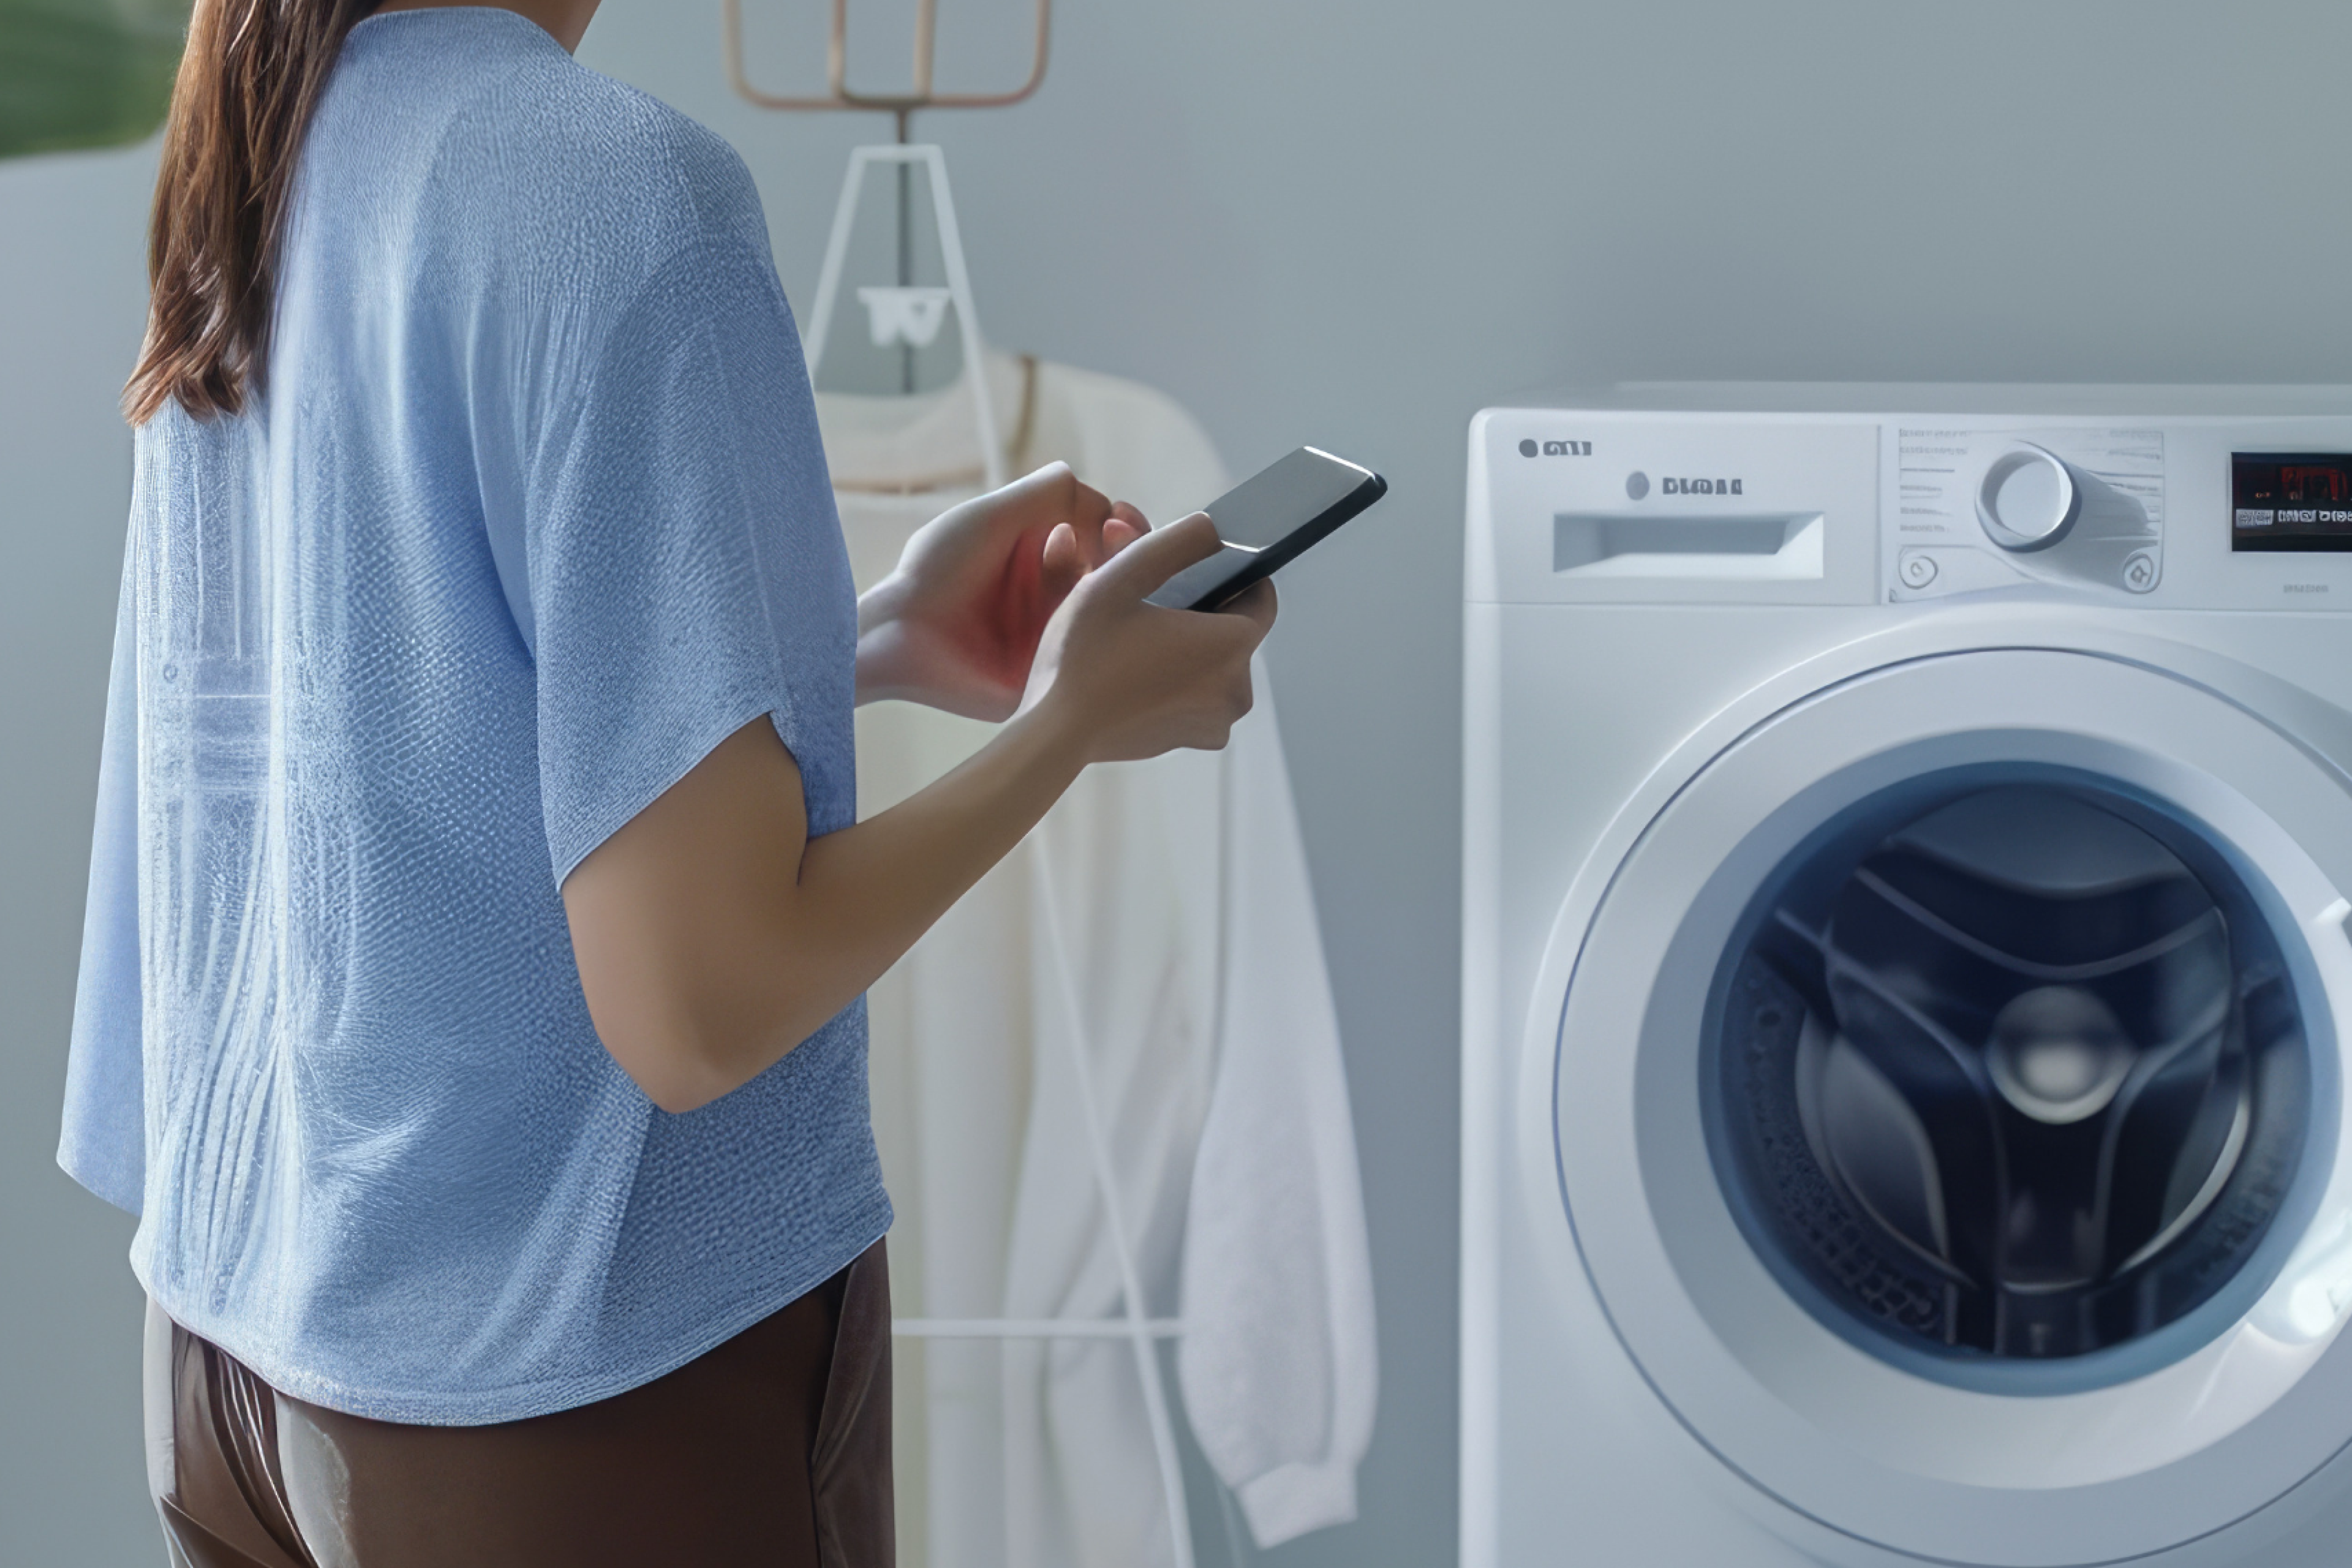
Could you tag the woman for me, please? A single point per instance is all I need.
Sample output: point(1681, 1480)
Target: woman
point(471, 1003)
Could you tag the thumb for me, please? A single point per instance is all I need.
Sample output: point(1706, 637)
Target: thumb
point(1139, 568)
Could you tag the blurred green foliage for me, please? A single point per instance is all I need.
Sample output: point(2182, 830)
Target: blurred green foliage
point(84, 73)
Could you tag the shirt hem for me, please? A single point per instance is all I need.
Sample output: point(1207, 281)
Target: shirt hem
point(519, 1402)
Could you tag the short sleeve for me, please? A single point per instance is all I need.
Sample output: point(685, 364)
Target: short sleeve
point(685, 567)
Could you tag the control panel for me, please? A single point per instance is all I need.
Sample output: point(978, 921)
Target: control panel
point(2166, 513)
point(1983, 508)
point(2246, 505)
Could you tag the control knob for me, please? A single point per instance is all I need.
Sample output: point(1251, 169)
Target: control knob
point(2028, 499)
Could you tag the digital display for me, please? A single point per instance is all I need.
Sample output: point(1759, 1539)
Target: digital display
point(2291, 500)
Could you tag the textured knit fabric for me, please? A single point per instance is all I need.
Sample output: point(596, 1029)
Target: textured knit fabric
point(532, 514)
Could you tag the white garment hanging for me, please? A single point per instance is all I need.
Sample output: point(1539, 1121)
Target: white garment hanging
point(1181, 887)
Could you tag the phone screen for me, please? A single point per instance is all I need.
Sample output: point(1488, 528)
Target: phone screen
point(1269, 505)
point(1269, 519)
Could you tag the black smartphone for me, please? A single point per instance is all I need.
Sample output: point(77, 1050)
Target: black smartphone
point(1268, 520)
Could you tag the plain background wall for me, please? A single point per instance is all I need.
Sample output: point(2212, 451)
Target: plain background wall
point(1310, 220)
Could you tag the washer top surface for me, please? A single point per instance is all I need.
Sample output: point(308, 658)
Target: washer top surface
point(2022, 399)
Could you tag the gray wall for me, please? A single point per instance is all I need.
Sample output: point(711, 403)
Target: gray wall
point(1309, 220)
point(71, 287)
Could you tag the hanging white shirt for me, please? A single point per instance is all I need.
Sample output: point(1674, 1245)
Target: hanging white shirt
point(1188, 941)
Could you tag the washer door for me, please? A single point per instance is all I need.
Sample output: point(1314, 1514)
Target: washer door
point(1972, 1026)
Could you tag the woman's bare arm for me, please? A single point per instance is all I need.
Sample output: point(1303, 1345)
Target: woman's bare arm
point(713, 934)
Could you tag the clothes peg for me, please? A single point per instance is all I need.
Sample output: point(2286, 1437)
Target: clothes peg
point(904, 315)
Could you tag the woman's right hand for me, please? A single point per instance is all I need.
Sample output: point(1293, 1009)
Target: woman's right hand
point(1127, 680)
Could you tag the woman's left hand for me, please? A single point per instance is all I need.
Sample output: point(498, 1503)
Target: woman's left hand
point(957, 624)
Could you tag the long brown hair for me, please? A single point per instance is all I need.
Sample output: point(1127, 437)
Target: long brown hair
point(250, 76)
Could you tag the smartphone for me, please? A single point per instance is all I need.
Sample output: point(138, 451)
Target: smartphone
point(1268, 520)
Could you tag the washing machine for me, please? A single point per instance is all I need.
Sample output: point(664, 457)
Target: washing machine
point(1908, 834)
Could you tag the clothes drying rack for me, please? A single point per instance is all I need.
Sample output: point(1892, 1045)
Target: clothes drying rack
point(909, 317)
point(922, 93)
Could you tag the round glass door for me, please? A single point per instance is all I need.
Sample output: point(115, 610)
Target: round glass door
point(2009, 1072)
point(1946, 1104)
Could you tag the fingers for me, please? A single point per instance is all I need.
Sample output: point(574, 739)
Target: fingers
point(1122, 527)
point(1049, 489)
point(1053, 493)
point(1038, 501)
point(1142, 566)
point(1091, 512)
point(1255, 603)
point(1213, 728)
point(1063, 564)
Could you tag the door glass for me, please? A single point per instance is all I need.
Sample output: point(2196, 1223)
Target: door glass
point(2014, 1074)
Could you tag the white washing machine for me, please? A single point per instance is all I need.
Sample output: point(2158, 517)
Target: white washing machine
point(1905, 980)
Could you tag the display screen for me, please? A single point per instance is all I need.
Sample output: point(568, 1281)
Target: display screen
point(2291, 500)
point(1276, 502)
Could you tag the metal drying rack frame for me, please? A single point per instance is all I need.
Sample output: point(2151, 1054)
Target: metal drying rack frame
point(1141, 1331)
point(923, 93)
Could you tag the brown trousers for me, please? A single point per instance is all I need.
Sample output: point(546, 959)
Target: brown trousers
point(772, 1450)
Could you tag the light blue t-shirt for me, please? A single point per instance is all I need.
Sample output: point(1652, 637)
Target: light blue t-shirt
point(531, 514)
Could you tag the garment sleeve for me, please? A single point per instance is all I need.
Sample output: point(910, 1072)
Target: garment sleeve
point(1279, 1362)
point(104, 1143)
point(685, 568)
